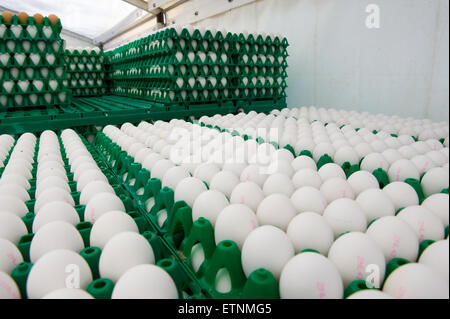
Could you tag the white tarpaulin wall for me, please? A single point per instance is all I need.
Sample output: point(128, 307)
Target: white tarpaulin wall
point(336, 61)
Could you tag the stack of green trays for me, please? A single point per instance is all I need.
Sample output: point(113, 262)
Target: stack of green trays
point(31, 64)
point(189, 66)
point(108, 71)
point(86, 71)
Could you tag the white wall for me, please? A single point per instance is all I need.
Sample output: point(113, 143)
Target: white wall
point(73, 42)
point(336, 61)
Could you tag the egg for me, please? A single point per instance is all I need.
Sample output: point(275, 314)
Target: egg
point(110, 224)
point(344, 215)
point(234, 223)
point(13, 205)
point(15, 179)
point(303, 161)
point(247, 193)
point(8, 287)
point(374, 161)
point(401, 194)
point(22, 17)
point(15, 191)
point(401, 170)
point(310, 231)
point(52, 194)
point(434, 181)
point(416, 281)
point(189, 189)
point(436, 257)
point(331, 170)
point(395, 237)
point(10, 256)
point(224, 181)
point(56, 270)
point(12, 227)
point(309, 199)
point(206, 171)
point(278, 184)
point(122, 252)
point(423, 221)
point(362, 180)
point(7, 16)
point(89, 176)
point(254, 173)
point(38, 18)
point(369, 294)
point(100, 204)
point(208, 205)
point(375, 203)
point(55, 235)
point(335, 188)
point(55, 211)
point(68, 293)
point(173, 176)
point(53, 19)
point(266, 247)
point(439, 205)
point(83, 168)
point(145, 282)
point(276, 210)
point(50, 182)
point(310, 276)
point(352, 253)
point(93, 188)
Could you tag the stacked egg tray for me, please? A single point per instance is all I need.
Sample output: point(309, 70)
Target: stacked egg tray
point(47, 199)
point(138, 155)
point(32, 68)
point(86, 72)
point(187, 67)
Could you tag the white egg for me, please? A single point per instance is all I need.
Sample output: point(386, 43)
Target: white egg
point(51, 171)
point(189, 189)
point(160, 168)
point(68, 293)
point(278, 184)
point(303, 161)
point(266, 247)
point(310, 276)
point(346, 154)
point(276, 210)
point(395, 237)
point(208, 205)
point(434, 181)
point(369, 294)
point(439, 205)
point(416, 281)
point(13, 205)
point(10, 256)
point(403, 169)
point(8, 287)
point(391, 155)
point(51, 181)
point(331, 170)
point(375, 203)
point(151, 160)
point(254, 173)
point(15, 179)
point(100, 204)
point(335, 188)
point(344, 215)
point(225, 182)
point(309, 199)
point(361, 181)
point(93, 188)
point(173, 176)
point(89, 176)
point(407, 151)
point(55, 211)
point(401, 194)
point(247, 193)
point(374, 161)
point(87, 166)
point(310, 231)
point(145, 282)
point(110, 224)
point(352, 253)
point(12, 227)
point(52, 271)
point(206, 171)
point(423, 221)
point(234, 223)
point(52, 194)
point(122, 252)
point(423, 163)
point(436, 257)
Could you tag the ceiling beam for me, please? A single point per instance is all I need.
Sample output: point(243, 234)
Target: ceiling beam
point(138, 3)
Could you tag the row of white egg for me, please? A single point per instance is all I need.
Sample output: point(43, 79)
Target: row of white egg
point(6, 143)
point(58, 239)
point(392, 124)
point(193, 190)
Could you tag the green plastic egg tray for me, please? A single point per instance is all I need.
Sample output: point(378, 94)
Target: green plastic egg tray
point(194, 66)
point(86, 72)
point(101, 288)
point(32, 67)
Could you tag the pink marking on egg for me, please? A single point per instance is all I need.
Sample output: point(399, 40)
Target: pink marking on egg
point(344, 194)
point(242, 200)
point(421, 229)
point(321, 289)
point(397, 174)
point(92, 215)
point(360, 267)
point(253, 224)
point(395, 245)
point(5, 286)
point(424, 168)
point(401, 293)
point(12, 258)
